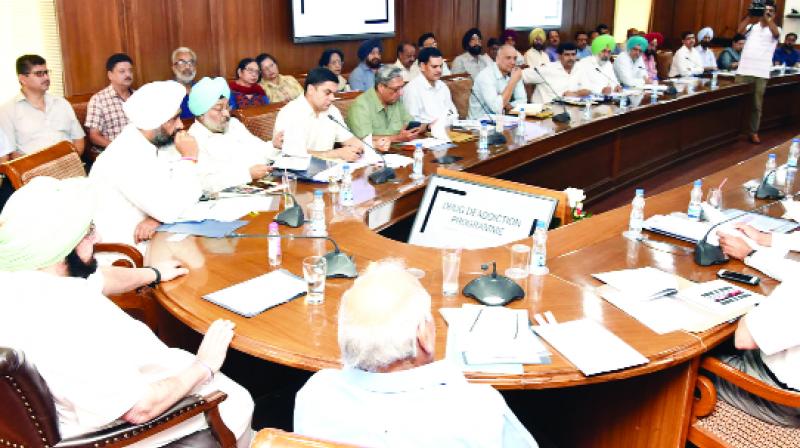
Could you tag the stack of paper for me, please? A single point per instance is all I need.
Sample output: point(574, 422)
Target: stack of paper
point(256, 295)
point(230, 208)
point(641, 284)
point(208, 228)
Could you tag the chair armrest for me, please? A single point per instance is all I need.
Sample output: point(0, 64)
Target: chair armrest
point(124, 249)
point(705, 403)
point(123, 434)
point(750, 384)
point(277, 438)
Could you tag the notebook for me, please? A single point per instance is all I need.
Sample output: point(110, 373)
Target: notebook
point(253, 297)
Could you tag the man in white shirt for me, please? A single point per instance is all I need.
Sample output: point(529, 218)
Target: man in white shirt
point(137, 191)
point(596, 73)
point(498, 88)
point(426, 97)
point(390, 391)
point(756, 62)
point(687, 60)
point(770, 262)
point(556, 79)
point(629, 65)
point(34, 120)
point(536, 56)
point(229, 154)
point(707, 56)
point(427, 40)
point(123, 371)
point(473, 60)
point(406, 56)
point(312, 124)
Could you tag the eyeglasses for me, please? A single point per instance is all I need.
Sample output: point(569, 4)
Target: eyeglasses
point(393, 89)
point(39, 73)
point(252, 71)
point(185, 63)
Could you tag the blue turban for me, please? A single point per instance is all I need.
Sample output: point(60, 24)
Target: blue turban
point(367, 46)
point(637, 40)
point(206, 93)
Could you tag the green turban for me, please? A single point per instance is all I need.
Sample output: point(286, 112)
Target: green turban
point(206, 93)
point(536, 32)
point(637, 40)
point(603, 42)
point(43, 222)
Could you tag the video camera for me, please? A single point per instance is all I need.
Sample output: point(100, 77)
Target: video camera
point(758, 8)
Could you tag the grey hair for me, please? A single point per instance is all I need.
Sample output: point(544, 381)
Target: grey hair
point(387, 73)
point(180, 50)
point(390, 334)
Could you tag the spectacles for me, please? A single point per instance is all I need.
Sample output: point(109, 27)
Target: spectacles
point(252, 71)
point(39, 73)
point(393, 89)
point(185, 63)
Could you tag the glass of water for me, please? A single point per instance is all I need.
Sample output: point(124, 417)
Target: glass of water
point(315, 269)
point(290, 188)
point(451, 264)
point(715, 198)
point(520, 259)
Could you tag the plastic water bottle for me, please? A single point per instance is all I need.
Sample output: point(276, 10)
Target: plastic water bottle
point(521, 116)
point(623, 102)
point(587, 110)
point(274, 245)
point(346, 190)
point(714, 82)
point(416, 169)
point(318, 215)
point(654, 97)
point(794, 153)
point(696, 198)
point(539, 254)
point(770, 169)
point(483, 140)
point(500, 123)
point(636, 221)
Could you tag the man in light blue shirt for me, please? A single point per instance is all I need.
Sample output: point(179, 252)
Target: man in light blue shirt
point(390, 392)
point(498, 87)
point(363, 76)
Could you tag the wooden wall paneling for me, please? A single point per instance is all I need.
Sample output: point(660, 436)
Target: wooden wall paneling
point(194, 26)
point(243, 32)
point(149, 44)
point(487, 15)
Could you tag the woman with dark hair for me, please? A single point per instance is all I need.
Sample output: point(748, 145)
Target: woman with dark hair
point(245, 91)
point(279, 88)
point(333, 60)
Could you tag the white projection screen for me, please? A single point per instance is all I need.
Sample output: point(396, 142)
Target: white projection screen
point(333, 20)
point(527, 14)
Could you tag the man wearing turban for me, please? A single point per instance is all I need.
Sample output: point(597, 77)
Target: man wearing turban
point(704, 37)
point(687, 60)
point(55, 316)
point(536, 56)
point(629, 65)
point(596, 73)
point(136, 190)
point(654, 39)
point(369, 53)
point(473, 59)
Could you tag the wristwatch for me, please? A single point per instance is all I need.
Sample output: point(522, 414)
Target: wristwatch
point(158, 277)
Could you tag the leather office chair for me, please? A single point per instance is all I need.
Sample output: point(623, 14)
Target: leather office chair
point(717, 424)
point(460, 89)
point(259, 120)
point(28, 415)
point(663, 63)
point(276, 438)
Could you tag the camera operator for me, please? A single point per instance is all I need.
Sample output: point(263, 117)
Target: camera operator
point(756, 62)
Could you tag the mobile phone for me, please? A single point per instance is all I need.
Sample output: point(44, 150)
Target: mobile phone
point(738, 277)
point(413, 125)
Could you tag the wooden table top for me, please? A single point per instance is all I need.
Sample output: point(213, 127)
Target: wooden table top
point(304, 336)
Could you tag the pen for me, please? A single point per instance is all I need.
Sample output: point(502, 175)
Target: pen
point(664, 293)
point(476, 320)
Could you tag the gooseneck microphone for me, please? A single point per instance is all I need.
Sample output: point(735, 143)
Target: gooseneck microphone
point(378, 177)
point(614, 81)
point(564, 116)
point(767, 191)
point(339, 264)
point(495, 138)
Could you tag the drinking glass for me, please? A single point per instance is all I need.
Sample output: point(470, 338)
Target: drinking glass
point(715, 198)
point(520, 259)
point(315, 269)
point(290, 182)
point(451, 264)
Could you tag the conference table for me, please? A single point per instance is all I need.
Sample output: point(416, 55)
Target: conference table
point(648, 405)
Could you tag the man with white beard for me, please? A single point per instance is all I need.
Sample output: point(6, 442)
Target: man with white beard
point(184, 66)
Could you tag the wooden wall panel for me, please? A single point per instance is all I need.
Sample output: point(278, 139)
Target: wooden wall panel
point(193, 27)
point(149, 42)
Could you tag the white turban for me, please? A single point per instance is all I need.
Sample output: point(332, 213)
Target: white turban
point(154, 104)
point(44, 221)
point(707, 31)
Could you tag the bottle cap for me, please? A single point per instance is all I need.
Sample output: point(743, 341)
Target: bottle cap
point(418, 145)
point(345, 167)
point(317, 194)
point(698, 183)
point(772, 156)
point(273, 226)
point(484, 123)
point(540, 224)
point(796, 140)
point(640, 192)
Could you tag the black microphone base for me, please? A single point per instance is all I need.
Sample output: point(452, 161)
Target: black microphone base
point(448, 159)
point(292, 216)
point(768, 192)
point(340, 265)
point(563, 117)
point(707, 254)
point(496, 138)
point(382, 176)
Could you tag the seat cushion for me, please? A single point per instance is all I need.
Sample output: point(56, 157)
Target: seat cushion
point(741, 430)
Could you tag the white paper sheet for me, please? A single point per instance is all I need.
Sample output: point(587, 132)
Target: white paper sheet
point(285, 162)
point(639, 284)
point(258, 294)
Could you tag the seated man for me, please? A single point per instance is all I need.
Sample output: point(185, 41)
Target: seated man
point(34, 120)
point(536, 56)
point(629, 65)
point(391, 392)
point(228, 154)
point(729, 58)
point(687, 60)
point(553, 41)
point(102, 365)
point(556, 76)
point(582, 42)
point(786, 54)
point(427, 40)
point(707, 56)
point(104, 115)
point(363, 76)
point(184, 66)
point(650, 56)
point(406, 56)
point(426, 97)
point(380, 112)
point(498, 88)
point(596, 73)
point(136, 190)
point(307, 126)
point(768, 262)
point(472, 60)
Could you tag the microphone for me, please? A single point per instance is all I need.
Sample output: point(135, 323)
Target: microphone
point(339, 264)
point(292, 216)
point(564, 116)
point(693, 64)
point(378, 177)
point(613, 81)
point(767, 191)
point(495, 138)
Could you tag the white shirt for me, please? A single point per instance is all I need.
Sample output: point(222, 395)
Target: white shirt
point(536, 58)
point(305, 130)
point(428, 406)
point(776, 266)
point(96, 360)
point(5, 145)
point(224, 160)
point(132, 183)
point(406, 72)
point(757, 53)
point(686, 62)
point(426, 102)
point(629, 72)
point(467, 63)
point(707, 57)
point(555, 75)
point(414, 72)
point(30, 130)
point(586, 75)
point(487, 93)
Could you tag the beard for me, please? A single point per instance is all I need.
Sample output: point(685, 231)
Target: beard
point(538, 46)
point(185, 78)
point(162, 138)
point(76, 267)
point(650, 52)
point(373, 63)
point(705, 44)
point(217, 128)
point(476, 50)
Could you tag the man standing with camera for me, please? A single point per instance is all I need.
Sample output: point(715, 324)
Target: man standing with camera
point(761, 38)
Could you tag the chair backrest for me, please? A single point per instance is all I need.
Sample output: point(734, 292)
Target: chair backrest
point(60, 161)
point(460, 89)
point(664, 63)
point(344, 105)
point(276, 438)
point(28, 413)
point(259, 120)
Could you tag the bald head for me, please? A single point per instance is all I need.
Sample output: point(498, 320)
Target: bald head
point(506, 58)
point(385, 318)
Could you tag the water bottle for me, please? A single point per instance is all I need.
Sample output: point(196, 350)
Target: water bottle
point(714, 83)
point(587, 111)
point(654, 97)
point(770, 169)
point(539, 255)
point(623, 102)
point(483, 141)
point(416, 169)
point(636, 221)
point(696, 198)
point(499, 123)
point(346, 190)
point(274, 245)
point(794, 153)
point(318, 215)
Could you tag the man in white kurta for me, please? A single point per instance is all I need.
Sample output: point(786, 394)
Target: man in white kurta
point(313, 125)
point(707, 56)
point(596, 73)
point(100, 364)
point(629, 65)
point(136, 190)
point(426, 97)
point(687, 60)
point(554, 80)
